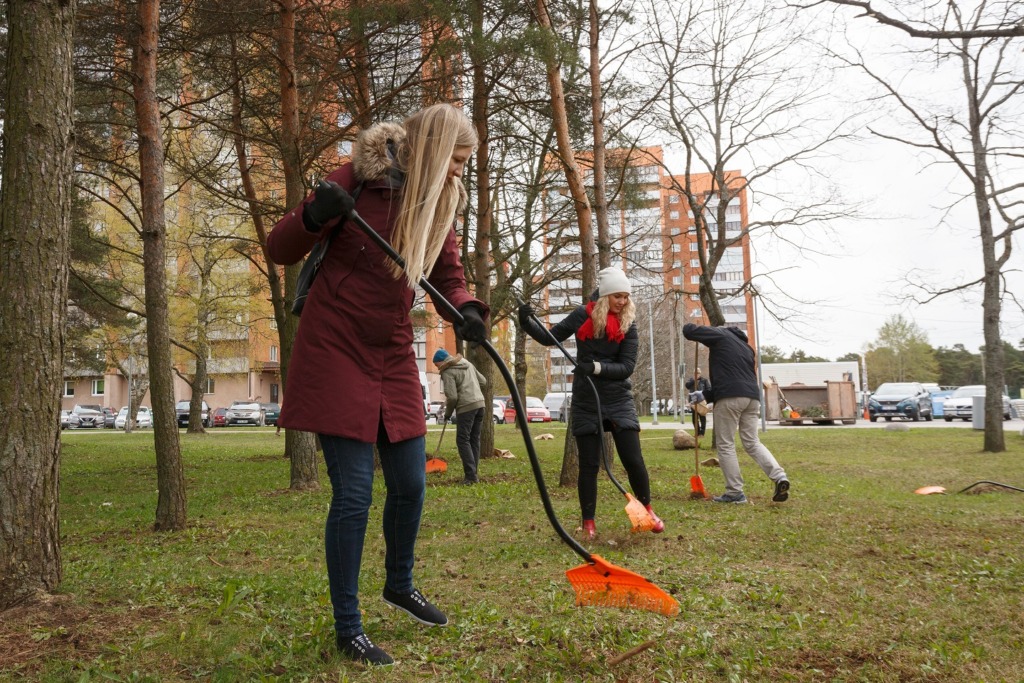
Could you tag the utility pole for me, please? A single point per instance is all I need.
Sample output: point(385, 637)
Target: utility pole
point(654, 385)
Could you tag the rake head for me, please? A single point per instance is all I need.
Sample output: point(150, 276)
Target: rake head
point(436, 465)
point(638, 515)
point(602, 584)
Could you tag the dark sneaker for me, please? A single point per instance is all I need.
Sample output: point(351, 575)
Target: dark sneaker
point(781, 490)
point(416, 606)
point(730, 498)
point(360, 648)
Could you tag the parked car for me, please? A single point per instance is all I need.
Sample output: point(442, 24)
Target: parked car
point(68, 420)
point(90, 416)
point(270, 413)
point(108, 417)
point(557, 404)
point(143, 417)
point(220, 417)
point(535, 411)
point(245, 413)
point(961, 403)
point(498, 410)
point(907, 400)
point(182, 409)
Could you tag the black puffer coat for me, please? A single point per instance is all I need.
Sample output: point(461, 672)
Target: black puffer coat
point(617, 361)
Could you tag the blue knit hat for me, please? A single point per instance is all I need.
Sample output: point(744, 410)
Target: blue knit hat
point(440, 356)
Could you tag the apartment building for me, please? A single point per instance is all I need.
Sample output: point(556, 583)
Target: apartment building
point(654, 240)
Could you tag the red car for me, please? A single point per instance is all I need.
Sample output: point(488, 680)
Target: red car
point(535, 411)
point(220, 417)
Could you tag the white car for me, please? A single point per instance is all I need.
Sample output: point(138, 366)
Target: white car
point(961, 403)
point(143, 418)
point(245, 413)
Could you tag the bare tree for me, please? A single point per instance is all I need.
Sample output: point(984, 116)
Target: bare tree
point(1009, 25)
point(979, 136)
point(745, 103)
point(35, 217)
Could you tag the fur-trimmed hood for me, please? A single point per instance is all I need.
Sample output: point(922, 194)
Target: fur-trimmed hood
point(374, 157)
point(371, 159)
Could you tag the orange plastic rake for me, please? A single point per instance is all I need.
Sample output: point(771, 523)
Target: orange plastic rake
point(598, 583)
point(602, 584)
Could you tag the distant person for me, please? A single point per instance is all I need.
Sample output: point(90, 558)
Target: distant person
point(353, 379)
point(464, 397)
point(606, 345)
point(737, 405)
point(698, 386)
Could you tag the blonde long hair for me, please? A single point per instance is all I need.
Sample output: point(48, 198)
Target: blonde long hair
point(429, 199)
point(600, 316)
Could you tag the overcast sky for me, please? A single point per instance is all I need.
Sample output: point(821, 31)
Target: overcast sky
point(909, 231)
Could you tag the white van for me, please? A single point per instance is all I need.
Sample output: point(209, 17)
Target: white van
point(555, 402)
point(425, 390)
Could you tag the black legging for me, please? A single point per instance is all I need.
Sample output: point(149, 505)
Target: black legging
point(627, 443)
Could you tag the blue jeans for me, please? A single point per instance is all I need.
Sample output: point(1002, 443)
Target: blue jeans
point(350, 467)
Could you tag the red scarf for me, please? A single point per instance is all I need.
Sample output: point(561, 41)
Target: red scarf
point(612, 329)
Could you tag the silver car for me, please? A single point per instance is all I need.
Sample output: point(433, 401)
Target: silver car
point(960, 404)
point(245, 413)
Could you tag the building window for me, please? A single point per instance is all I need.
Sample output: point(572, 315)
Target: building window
point(695, 313)
point(211, 385)
point(694, 279)
point(695, 297)
point(676, 279)
point(273, 352)
point(673, 199)
point(676, 246)
point(693, 246)
point(695, 263)
point(275, 393)
point(98, 386)
point(674, 215)
point(69, 388)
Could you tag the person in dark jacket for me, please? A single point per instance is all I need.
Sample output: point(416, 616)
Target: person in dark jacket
point(737, 406)
point(464, 397)
point(606, 344)
point(353, 379)
point(699, 388)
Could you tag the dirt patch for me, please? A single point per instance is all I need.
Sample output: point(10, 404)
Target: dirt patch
point(58, 627)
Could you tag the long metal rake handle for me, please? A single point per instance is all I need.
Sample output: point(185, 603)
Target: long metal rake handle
point(517, 401)
point(597, 400)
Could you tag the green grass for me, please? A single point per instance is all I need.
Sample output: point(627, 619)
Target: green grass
point(854, 579)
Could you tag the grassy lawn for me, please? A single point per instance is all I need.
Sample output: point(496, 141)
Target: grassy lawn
point(855, 578)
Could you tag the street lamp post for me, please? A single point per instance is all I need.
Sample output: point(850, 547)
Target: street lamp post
point(757, 343)
point(654, 385)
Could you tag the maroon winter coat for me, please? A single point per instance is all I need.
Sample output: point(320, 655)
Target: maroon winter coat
point(353, 362)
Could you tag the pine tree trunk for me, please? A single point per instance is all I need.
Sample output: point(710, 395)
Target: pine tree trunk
point(300, 447)
point(482, 244)
point(34, 247)
point(171, 506)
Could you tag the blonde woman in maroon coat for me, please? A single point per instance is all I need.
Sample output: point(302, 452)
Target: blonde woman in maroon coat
point(353, 378)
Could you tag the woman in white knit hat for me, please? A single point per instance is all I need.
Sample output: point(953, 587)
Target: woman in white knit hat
point(606, 344)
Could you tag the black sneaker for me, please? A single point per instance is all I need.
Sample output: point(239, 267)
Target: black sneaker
point(781, 490)
point(416, 606)
point(361, 649)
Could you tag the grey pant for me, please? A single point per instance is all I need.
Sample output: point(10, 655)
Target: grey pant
point(468, 440)
point(744, 414)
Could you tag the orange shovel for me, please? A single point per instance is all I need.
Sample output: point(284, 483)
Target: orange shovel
point(436, 464)
point(696, 483)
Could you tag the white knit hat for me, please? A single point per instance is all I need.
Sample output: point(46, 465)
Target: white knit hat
point(612, 281)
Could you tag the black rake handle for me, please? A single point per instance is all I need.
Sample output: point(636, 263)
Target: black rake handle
point(517, 401)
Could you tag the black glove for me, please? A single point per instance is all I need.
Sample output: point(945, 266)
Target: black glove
point(525, 314)
point(584, 369)
point(330, 200)
point(472, 328)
